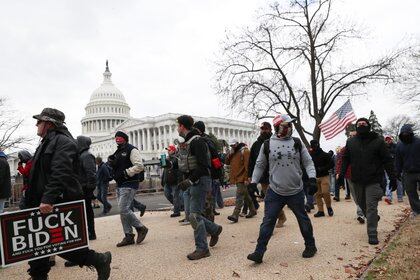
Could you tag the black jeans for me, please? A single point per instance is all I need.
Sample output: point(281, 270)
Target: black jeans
point(411, 183)
point(38, 269)
point(90, 216)
point(273, 204)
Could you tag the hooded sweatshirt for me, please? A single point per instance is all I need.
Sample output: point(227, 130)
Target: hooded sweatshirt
point(5, 182)
point(285, 172)
point(87, 167)
point(407, 157)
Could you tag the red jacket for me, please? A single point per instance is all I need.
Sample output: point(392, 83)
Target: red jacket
point(25, 171)
point(339, 162)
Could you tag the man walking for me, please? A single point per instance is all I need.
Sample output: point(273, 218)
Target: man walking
point(238, 159)
point(284, 155)
point(392, 150)
point(170, 179)
point(54, 179)
point(5, 181)
point(368, 156)
point(194, 163)
point(127, 167)
point(103, 176)
point(408, 162)
point(323, 163)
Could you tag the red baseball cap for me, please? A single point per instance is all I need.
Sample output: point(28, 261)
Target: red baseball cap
point(171, 148)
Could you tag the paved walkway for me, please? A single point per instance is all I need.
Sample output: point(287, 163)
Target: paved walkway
point(342, 244)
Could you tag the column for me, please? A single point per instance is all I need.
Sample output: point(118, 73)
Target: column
point(143, 140)
point(149, 142)
point(160, 137)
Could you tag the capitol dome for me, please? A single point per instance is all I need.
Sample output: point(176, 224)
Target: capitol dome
point(106, 109)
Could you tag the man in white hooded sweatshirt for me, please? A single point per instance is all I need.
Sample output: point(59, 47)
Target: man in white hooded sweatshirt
point(284, 155)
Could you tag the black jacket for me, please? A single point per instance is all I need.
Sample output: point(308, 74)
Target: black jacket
point(171, 176)
point(323, 162)
point(5, 182)
point(54, 173)
point(408, 155)
point(87, 165)
point(255, 151)
point(215, 173)
point(368, 157)
point(199, 149)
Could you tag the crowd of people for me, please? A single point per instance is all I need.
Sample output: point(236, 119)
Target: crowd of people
point(278, 168)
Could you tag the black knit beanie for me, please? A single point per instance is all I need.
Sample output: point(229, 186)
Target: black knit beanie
point(122, 134)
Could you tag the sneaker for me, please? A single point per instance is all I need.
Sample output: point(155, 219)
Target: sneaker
point(182, 220)
point(347, 197)
point(185, 223)
point(361, 219)
point(233, 218)
point(309, 207)
point(373, 240)
point(198, 254)
point(242, 214)
point(173, 215)
point(309, 251)
point(214, 238)
point(319, 214)
point(330, 211)
point(400, 200)
point(255, 257)
point(141, 234)
point(388, 200)
point(127, 240)
point(336, 198)
point(251, 214)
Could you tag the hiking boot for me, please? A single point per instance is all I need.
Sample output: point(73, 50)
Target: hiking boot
point(142, 210)
point(319, 214)
point(309, 251)
point(255, 257)
point(373, 240)
point(251, 214)
point(198, 254)
point(173, 215)
point(388, 200)
point(361, 219)
point(233, 218)
point(69, 264)
point(102, 264)
point(330, 211)
point(127, 240)
point(141, 234)
point(214, 238)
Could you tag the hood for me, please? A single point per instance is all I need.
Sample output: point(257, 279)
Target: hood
point(407, 128)
point(83, 143)
point(191, 134)
point(2, 154)
point(24, 156)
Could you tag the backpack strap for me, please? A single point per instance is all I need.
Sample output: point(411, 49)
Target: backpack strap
point(266, 149)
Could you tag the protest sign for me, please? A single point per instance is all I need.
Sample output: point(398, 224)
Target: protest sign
point(29, 235)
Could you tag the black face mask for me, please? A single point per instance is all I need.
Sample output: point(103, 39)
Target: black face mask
point(314, 146)
point(406, 138)
point(265, 134)
point(362, 130)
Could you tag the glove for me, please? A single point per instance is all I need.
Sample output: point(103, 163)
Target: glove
point(126, 175)
point(184, 185)
point(312, 186)
point(252, 187)
point(393, 184)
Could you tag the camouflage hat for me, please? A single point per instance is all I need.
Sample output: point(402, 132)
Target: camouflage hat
point(51, 115)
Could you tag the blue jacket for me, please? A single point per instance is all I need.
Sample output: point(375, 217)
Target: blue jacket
point(103, 175)
point(408, 155)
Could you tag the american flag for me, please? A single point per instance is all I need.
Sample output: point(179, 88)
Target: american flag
point(338, 121)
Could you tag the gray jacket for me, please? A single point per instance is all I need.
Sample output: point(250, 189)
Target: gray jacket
point(285, 172)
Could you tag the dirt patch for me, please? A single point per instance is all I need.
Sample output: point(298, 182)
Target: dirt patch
point(401, 258)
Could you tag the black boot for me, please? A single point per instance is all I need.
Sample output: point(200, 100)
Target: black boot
point(373, 240)
point(309, 252)
point(102, 263)
point(127, 240)
point(255, 257)
point(142, 210)
point(141, 234)
point(319, 214)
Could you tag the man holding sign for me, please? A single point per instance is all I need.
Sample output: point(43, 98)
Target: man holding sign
point(53, 180)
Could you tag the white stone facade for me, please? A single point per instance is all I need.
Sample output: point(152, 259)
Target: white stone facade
point(108, 112)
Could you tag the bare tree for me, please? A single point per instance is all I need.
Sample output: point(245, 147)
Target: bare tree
point(411, 86)
point(394, 125)
point(291, 63)
point(9, 124)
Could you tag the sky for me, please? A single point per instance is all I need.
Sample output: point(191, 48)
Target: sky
point(161, 53)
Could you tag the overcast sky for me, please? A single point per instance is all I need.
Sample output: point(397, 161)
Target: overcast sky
point(160, 52)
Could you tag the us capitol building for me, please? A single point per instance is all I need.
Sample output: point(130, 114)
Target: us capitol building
point(108, 112)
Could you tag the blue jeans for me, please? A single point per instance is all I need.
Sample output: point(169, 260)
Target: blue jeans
point(128, 219)
point(274, 203)
point(2, 202)
point(172, 195)
point(388, 191)
point(201, 225)
point(186, 198)
point(217, 194)
point(309, 198)
point(103, 196)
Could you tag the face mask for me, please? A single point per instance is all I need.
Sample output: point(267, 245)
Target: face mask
point(362, 130)
point(314, 146)
point(284, 131)
point(265, 134)
point(119, 140)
